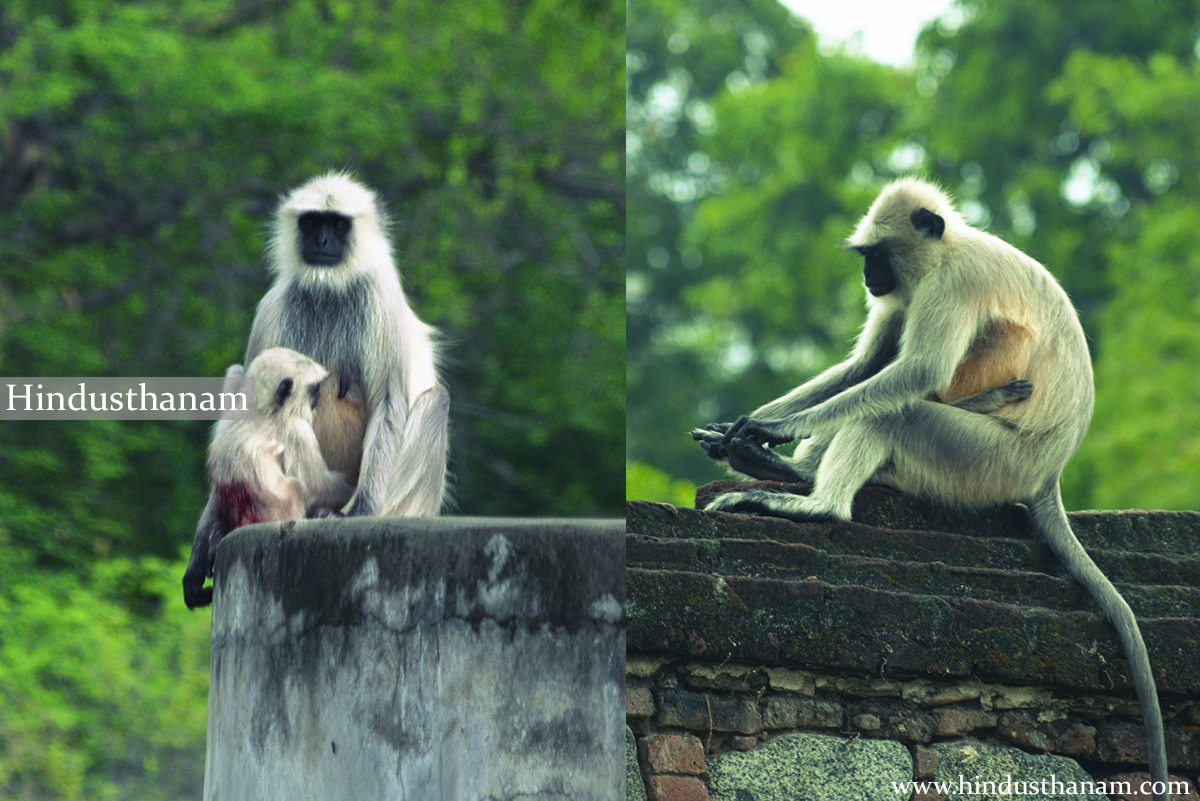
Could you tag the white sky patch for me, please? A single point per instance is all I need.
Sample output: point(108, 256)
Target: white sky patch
point(883, 30)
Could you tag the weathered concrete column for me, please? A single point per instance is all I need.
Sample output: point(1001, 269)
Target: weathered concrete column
point(443, 659)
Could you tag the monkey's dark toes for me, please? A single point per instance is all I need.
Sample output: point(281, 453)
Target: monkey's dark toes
point(749, 507)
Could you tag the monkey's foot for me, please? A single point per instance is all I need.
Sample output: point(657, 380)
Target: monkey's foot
point(752, 459)
point(770, 504)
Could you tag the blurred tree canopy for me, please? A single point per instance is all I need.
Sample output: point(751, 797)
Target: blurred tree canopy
point(1066, 129)
point(143, 146)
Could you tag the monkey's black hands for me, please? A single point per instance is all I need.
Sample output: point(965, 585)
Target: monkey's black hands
point(757, 432)
point(745, 449)
point(711, 439)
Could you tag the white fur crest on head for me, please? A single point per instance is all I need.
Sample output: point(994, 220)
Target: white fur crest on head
point(891, 213)
point(332, 191)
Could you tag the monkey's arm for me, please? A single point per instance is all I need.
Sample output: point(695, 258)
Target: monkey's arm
point(267, 325)
point(996, 398)
point(322, 487)
point(936, 336)
point(876, 347)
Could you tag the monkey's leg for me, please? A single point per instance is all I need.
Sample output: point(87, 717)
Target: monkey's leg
point(418, 479)
point(751, 458)
point(853, 455)
point(927, 448)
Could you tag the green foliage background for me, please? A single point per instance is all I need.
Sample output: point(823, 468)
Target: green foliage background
point(1068, 129)
point(143, 145)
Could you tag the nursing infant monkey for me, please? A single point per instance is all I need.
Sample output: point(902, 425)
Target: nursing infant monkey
point(971, 383)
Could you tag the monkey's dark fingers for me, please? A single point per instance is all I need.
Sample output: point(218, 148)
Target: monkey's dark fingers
point(1019, 388)
point(715, 450)
point(759, 432)
point(736, 429)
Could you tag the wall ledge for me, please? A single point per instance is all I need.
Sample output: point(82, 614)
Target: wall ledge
point(438, 658)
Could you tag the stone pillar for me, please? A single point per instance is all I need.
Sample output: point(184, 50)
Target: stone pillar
point(436, 659)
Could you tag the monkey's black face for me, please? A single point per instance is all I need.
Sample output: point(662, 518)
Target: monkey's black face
point(878, 273)
point(324, 237)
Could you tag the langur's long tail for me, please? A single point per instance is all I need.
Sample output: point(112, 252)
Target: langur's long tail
point(1051, 519)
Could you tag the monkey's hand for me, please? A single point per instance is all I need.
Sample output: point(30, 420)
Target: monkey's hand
point(711, 440)
point(770, 433)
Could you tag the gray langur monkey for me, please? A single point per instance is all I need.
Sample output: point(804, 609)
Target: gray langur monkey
point(268, 467)
point(954, 314)
point(337, 299)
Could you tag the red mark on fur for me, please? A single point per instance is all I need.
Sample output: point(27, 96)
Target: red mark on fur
point(237, 503)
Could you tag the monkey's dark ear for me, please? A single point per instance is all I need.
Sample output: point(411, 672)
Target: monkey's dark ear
point(928, 223)
point(283, 391)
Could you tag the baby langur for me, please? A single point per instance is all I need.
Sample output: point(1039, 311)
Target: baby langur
point(953, 312)
point(337, 298)
point(268, 467)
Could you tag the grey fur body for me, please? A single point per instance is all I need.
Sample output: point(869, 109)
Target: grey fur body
point(959, 324)
point(388, 428)
point(268, 467)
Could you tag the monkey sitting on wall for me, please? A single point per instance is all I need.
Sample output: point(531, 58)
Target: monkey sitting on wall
point(266, 468)
point(953, 312)
point(337, 298)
